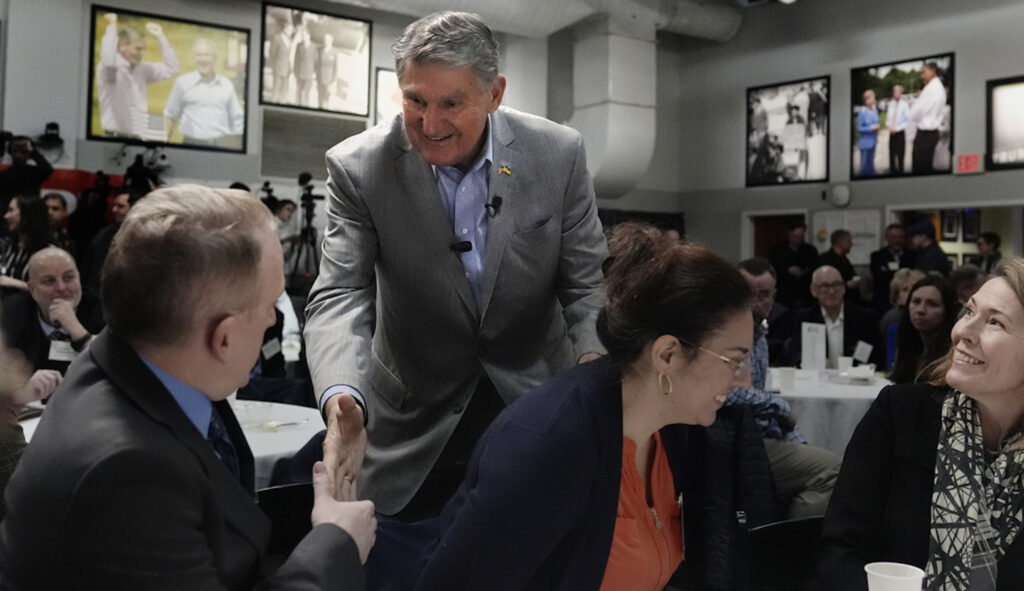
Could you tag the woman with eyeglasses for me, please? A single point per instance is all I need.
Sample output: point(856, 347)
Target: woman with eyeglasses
point(934, 473)
point(588, 482)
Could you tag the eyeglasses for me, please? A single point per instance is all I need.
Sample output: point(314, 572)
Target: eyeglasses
point(833, 285)
point(736, 365)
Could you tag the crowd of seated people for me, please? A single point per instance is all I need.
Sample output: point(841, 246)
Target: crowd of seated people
point(588, 414)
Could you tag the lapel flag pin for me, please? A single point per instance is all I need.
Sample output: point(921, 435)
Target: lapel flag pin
point(505, 169)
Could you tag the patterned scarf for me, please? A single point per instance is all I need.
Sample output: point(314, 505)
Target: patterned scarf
point(977, 502)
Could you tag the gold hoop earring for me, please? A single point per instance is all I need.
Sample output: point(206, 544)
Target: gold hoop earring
point(662, 378)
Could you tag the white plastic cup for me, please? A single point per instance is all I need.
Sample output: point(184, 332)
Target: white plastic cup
point(893, 576)
point(787, 375)
point(845, 363)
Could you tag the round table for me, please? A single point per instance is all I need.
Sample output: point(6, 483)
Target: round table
point(273, 430)
point(826, 410)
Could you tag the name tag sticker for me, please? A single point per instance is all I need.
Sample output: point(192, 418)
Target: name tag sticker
point(894, 265)
point(271, 348)
point(62, 351)
point(862, 352)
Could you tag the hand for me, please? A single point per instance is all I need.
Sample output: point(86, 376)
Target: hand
point(355, 517)
point(111, 18)
point(42, 383)
point(588, 357)
point(13, 283)
point(155, 29)
point(795, 271)
point(62, 315)
point(344, 445)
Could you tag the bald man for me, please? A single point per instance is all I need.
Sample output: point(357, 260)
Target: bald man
point(846, 324)
point(56, 319)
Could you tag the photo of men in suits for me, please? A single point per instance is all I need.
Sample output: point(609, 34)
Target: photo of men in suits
point(461, 266)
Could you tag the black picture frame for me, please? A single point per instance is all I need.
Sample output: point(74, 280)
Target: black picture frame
point(950, 225)
point(1004, 137)
point(882, 79)
point(787, 132)
point(971, 225)
point(283, 46)
point(111, 122)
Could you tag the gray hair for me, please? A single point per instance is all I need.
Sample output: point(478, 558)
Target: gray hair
point(182, 254)
point(450, 38)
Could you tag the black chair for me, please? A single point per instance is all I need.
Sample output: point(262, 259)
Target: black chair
point(779, 556)
point(288, 507)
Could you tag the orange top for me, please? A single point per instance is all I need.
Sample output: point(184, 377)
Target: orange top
point(648, 543)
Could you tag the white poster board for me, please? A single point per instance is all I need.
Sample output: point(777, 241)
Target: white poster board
point(865, 225)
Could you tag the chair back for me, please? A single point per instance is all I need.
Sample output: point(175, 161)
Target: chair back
point(288, 507)
point(779, 556)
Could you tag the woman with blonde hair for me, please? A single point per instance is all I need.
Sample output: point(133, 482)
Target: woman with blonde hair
point(933, 474)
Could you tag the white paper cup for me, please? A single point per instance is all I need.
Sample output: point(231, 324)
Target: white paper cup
point(845, 363)
point(787, 375)
point(893, 576)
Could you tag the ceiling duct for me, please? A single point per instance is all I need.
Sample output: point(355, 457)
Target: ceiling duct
point(614, 66)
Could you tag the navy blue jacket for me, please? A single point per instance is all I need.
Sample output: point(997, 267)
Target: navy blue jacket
point(537, 508)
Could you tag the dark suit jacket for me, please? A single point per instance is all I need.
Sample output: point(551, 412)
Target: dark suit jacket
point(859, 324)
point(119, 490)
point(780, 329)
point(881, 506)
point(537, 509)
point(881, 275)
point(21, 328)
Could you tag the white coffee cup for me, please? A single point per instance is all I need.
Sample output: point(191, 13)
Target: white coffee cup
point(787, 375)
point(893, 576)
point(845, 363)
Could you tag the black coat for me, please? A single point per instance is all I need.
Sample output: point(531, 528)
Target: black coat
point(881, 507)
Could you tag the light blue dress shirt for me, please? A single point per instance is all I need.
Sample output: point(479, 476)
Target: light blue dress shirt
point(196, 405)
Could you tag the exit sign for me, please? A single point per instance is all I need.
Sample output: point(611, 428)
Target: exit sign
point(968, 164)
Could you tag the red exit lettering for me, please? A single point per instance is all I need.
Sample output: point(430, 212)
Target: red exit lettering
point(967, 163)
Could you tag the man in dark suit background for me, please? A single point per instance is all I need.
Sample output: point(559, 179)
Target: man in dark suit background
point(55, 320)
point(846, 323)
point(841, 242)
point(885, 262)
point(794, 260)
point(139, 476)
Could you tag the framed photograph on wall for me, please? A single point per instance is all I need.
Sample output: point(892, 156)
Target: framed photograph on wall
point(971, 225)
point(388, 99)
point(311, 60)
point(902, 118)
point(194, 76)
point(1005, 123)
point(950, 225)
point(787, 132)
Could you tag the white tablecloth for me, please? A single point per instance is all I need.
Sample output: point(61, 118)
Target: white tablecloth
point(269, 439)
point(827, 412)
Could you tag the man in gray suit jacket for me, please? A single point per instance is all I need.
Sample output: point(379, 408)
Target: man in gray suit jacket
point(461, 265)
point(139, 476)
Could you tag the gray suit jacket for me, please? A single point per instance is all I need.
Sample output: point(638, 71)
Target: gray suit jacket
point(393, 314)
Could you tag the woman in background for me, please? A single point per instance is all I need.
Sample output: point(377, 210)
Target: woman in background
point(923, 333)
point(899, 289)
point(29, 225)
point(588, 482)
point(934, 473)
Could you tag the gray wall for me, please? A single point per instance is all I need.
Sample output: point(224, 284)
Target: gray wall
point(702, 93)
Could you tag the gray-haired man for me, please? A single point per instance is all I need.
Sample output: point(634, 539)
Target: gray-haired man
point(461, 265)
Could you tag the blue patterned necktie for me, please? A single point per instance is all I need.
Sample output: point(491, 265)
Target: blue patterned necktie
point(221, 442)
